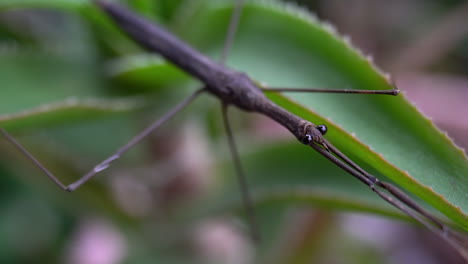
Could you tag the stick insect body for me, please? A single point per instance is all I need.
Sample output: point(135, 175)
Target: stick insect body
point(237, 89)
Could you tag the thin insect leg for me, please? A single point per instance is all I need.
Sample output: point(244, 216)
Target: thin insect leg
point(393, 91)
point(411, 203)
point(462, 239)
point(440, 233)
point(387, 186)
point(450, 237)
point(246, 199)
point(347, 167)
point(106, 163)
point(395, 201)
point(32, 158)
point(232, 29)
point(406, 210)
point(351, 163)
point(343, 165)
point(242, 179)
point(398, 199)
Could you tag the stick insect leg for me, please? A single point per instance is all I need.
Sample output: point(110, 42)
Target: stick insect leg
point(387, 186)
point(36, 162)
point(232, 29)
point(242, 179)
point(442, 232)
point(246, 199)
point(351, 163)
point(399, 203)
point(396, 198)
point(394, 91)
point(106, 163)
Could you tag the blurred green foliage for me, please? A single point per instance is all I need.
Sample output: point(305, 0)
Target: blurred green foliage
point(74, 89)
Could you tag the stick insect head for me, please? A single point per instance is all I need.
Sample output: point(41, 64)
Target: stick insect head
point(313, 134)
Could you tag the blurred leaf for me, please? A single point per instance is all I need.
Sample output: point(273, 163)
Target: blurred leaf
point(63, 4)
point(46, 88)
point(67, 111)
point(317, 198)
point(143, 70)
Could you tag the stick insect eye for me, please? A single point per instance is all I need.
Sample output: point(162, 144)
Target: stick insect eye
point(307, 139)
point(322, 128)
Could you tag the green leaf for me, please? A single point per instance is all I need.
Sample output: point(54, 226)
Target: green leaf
point(63, 4)
point(145, 71)
point(282, 45)
point(54, 85)
point(68, 111)
point(324, 199)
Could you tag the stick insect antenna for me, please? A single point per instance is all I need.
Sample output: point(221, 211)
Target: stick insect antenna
point(107, 162)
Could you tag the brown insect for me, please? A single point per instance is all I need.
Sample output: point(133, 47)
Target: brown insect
point(234, 88)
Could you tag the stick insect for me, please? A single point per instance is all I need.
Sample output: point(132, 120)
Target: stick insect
point(235, 89)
